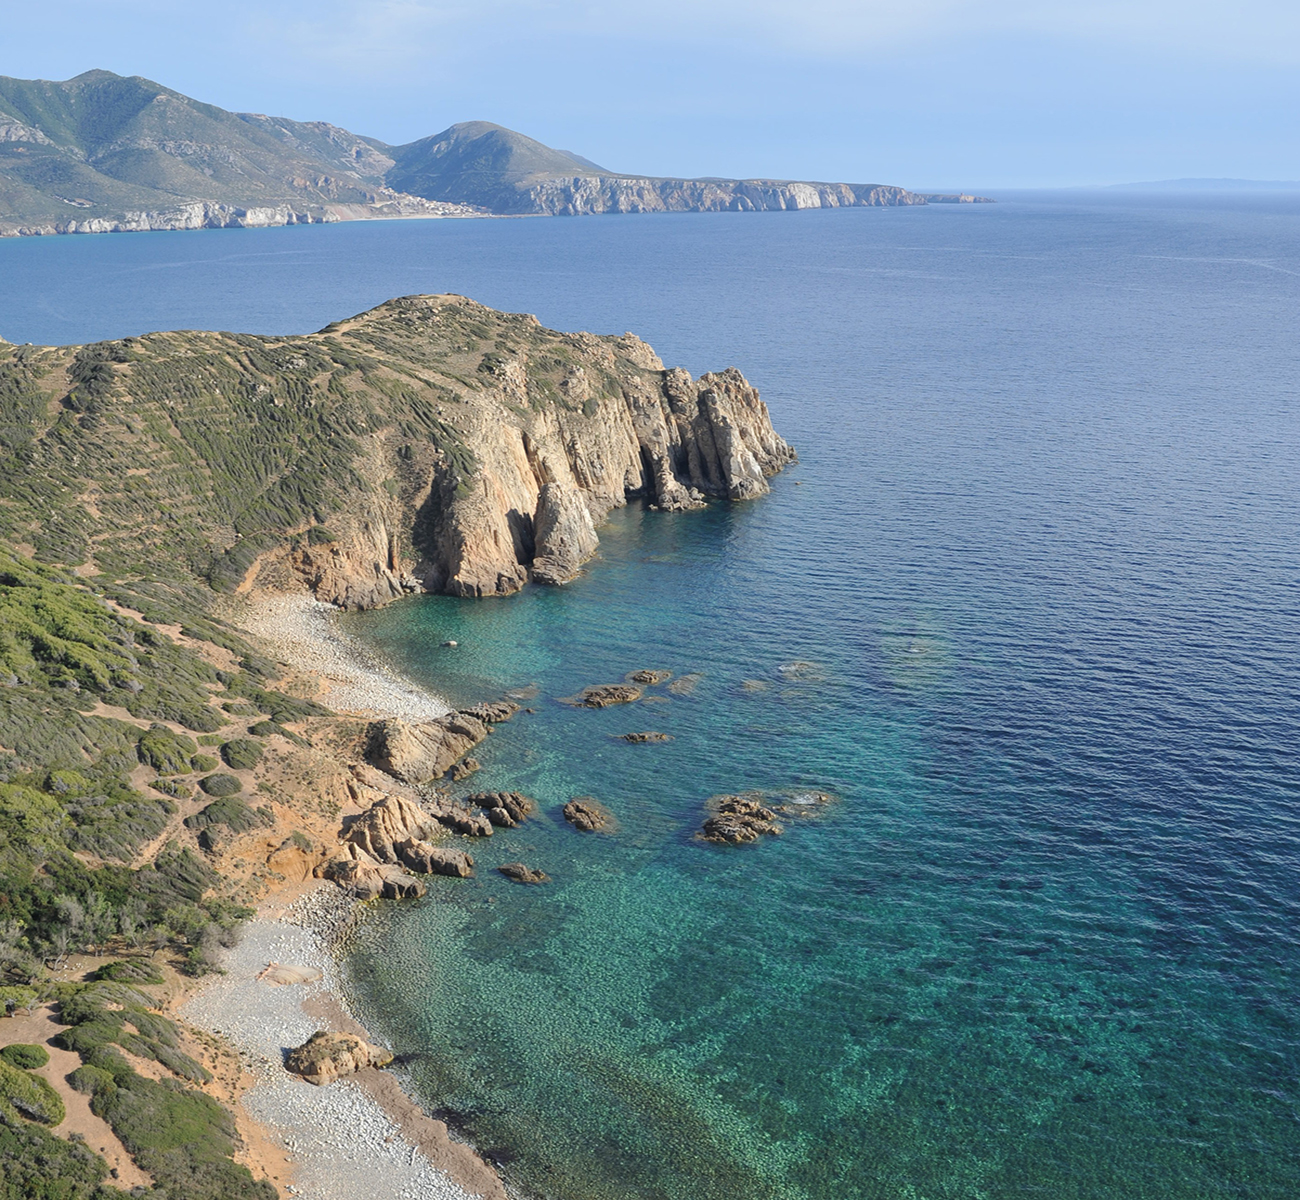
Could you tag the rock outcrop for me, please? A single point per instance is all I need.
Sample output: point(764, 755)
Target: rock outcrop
point(738, 819)
point(368, 879)
point(649, 678)
point(415, 752)
point(324, 1057)
point(649, 735)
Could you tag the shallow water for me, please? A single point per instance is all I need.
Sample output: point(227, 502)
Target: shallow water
point(1041, 553)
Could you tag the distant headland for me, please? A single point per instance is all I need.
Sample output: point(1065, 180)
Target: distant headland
point(105, 153)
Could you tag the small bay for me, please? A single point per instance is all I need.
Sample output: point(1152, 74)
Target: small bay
point(1027, 608)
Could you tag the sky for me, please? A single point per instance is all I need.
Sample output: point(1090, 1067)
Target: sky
point(928, 94)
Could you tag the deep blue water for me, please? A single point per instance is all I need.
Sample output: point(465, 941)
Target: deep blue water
point(1039, 560)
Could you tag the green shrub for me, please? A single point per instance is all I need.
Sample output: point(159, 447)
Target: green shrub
point(25, 1056)
point(232, 812)
point(29, 1095)
point(37, 1165)
point(131, 970)
point(167, 752)
point(221, 785)
point(265, 729)
point(243, 754)
point(173, 788)
point(88, 1080)
point(204, 762)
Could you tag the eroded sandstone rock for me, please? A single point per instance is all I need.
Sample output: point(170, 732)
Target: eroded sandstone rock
point(426, 859)
point(391, 820)
point(565, 535)
point(416, 752)
point(324, 1057)
point(368, 879)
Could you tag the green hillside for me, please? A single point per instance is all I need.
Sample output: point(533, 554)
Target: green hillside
point(101, 144)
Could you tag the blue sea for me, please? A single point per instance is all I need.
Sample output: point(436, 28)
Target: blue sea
point(1027, 608)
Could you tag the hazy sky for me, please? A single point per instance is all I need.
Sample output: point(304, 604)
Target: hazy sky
point(924, 93)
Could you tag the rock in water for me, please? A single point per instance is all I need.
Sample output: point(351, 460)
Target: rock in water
point(416, 752)
point(650, 678)
point(425, 859)
point(324, 1057)
point(738, 819)
point(587, 815)
point(602, 695)
point(464, 769)
point(518, 873)
point(648, 736)
point(505, 809)
point(492, 712)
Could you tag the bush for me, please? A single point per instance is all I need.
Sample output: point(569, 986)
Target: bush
point(37, 1165)
point(12, 998)
point(204, 762)
point(168, 753)
point(243, 754)
point(25, 1056)
point(29, 1095)
point(173, 788)
point(88, 1080)
point(133, 970)
point(221, 785)
point(231, 812)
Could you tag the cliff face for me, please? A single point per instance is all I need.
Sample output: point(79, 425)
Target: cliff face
point(430, 443)
point(581, 196)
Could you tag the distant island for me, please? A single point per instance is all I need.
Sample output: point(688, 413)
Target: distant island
point(105, 153)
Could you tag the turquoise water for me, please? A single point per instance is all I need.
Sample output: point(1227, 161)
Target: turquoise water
point(1041, 556)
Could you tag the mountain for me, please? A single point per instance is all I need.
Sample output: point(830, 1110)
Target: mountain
point(80, 156)
point(107, 153)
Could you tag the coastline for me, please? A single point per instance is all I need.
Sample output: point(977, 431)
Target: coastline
point(361, 1137)
point(300, 631)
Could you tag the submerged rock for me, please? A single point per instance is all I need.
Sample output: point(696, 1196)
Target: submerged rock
point(588, 815)
point(324, 1057)
point(516, 872)
point(649, 736)
point(492, 712)
point(684, 685)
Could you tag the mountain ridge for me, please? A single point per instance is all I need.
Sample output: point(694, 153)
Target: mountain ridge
point(108, 153)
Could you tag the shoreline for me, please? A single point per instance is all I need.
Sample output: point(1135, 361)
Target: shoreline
point(301, 631)
point(362, 1137)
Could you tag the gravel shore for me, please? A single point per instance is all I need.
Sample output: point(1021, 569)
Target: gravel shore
point(341, 1143)
point(302, 631)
